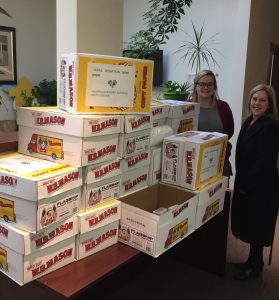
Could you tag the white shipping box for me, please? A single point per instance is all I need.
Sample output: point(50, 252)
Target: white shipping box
point(36, 215)
point(183, 124)
point(138, 160)
point(57, 120)
point(24, 242)
point(34, 179)
point(25, 268)
point(151, 233)
point(91, 83)
point(134, 180)
point(67, 149)
point(211, 200)
point(159, 110)
point(96, 240)
point(155, 166)
point(193, 158)
point(99, 216)
point(133, 123)
point(100, 192)
point(102, 171)
point(133, 143)
point(181, 109)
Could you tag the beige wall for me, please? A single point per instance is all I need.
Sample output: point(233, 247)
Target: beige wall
point(263, 29)
point(100, 26)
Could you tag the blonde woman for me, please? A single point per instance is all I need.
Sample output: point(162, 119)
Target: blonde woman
point(215, 114)
point(256, 189)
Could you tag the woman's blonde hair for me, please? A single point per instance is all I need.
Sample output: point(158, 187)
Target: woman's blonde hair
point(272, 110)
point(194, 95)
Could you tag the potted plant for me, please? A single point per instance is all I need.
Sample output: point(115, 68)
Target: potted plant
point(142, 45)
point(176, 91)
point(43, 94)
point(198, 50)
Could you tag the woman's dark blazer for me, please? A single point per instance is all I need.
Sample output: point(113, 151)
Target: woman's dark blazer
point(256, 189)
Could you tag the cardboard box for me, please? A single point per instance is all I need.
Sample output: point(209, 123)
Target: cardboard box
point(193, 158)
point(36, 215)
point(134, 162)
point(133, 143)
point(211, 200)
point(155, 166)
point(99, 216)
point(133, 123)
point(25, 243)
point(159, 113)
point(151, 233)
point(25, 268)
point(183, 124)
point(102, 171)
point(181, 109)
point(56, 120)
point(91, 83)
point(96, 240)
point(34, 179)
point(134, 180)
point(67, 149)
point(100, 192)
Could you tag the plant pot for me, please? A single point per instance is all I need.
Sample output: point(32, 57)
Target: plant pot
point(176, 96)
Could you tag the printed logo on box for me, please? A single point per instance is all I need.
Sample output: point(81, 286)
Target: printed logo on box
point(41, 267)
point(134, 182)
point(211, 210)
point(4, 231)
point(98, 127)
point(176, 212)
point(48, 120)
point(8, 180)
point(92, 244)
point(109, 168)
point(189, 166)
point(94, 220)
point(212, 191)
point(3, 259)
point(41, 240)
point(135, 160)
point(176, 232)
point(186, 109)
point(46, 145)
point(141, 121)
point(62, 181)
point(157, 111)
point(93, 155)
point(7, 210)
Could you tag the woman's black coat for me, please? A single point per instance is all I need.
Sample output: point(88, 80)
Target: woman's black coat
point(256, 189)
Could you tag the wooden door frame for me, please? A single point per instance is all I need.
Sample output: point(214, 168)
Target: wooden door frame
point(273, 48)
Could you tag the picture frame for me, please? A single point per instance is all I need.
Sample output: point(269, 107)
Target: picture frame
point(8, 70)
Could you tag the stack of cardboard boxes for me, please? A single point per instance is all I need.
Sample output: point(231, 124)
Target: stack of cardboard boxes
point(39, 202)
point(194, 160)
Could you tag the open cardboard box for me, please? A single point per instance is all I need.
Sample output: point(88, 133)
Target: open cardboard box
point(149, 232)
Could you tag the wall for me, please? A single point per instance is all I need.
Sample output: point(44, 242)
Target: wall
point(232, 29)
point(35, 24)
point(263, 30)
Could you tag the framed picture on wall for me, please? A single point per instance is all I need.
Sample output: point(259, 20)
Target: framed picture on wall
point(8, 74)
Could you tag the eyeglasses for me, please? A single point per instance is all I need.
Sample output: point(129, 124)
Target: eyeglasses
point(205, 84)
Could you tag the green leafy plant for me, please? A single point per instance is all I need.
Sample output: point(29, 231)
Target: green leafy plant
point(141, 45)
point(198, 50)
point(161, 19)
point(176, 90)
point(43, 94)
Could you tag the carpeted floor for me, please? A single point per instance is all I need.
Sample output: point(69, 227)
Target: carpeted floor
point(166, 278)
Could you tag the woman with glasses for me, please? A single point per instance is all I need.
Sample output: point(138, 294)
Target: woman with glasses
point(215, 114)
point(256, 187)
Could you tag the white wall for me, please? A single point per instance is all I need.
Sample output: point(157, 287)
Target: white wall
point(35, 24)
point(228, 18)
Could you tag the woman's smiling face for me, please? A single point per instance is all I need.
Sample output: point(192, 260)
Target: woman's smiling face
point(259, 104)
